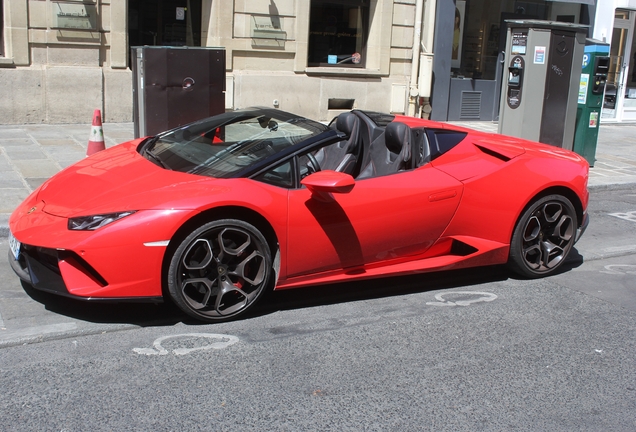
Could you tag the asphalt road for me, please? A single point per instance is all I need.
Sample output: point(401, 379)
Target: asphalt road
point(468, 350)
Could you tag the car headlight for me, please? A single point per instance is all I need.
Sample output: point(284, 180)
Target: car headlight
point(91, 223)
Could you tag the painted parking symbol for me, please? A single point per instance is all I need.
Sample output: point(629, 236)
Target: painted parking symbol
point(620, 269)
point(630, 216)
point(214, 341)
point(467, 298)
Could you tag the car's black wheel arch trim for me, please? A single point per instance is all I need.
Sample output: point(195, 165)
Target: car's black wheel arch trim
point(226, 212)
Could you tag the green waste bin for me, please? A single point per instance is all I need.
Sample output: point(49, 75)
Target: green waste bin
point(588, 114)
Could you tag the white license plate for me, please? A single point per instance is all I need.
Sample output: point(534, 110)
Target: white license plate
point(14, 245)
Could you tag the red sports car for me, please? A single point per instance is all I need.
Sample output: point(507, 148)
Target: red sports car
point(214, 213)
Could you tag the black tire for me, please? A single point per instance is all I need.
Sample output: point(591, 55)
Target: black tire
point(220, 270)
point(543, 237)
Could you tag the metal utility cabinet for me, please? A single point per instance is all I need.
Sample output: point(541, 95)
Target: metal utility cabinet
point(173, 86)
point(541, 81)
point(596, 63)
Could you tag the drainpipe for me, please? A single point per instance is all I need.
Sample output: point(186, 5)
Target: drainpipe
point(425, 78)
point(415, 63)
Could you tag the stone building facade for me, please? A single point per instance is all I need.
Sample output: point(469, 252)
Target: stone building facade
point(51, 72)
point(61, 59)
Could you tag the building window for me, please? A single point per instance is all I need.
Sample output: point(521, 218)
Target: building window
point(338, 33)
point(164, 22)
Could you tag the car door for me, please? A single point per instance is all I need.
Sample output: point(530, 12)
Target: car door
point(380, 219)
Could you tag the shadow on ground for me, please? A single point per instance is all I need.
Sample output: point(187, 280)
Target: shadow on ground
point(152, 314)
point(137, 313)
point(572, 261)
point(379, 288)
point(392, 286)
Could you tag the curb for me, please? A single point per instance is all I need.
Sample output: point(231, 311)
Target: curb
point(39, 338)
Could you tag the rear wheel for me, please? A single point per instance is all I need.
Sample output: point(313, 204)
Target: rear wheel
point(543, 237)
point(220, 270)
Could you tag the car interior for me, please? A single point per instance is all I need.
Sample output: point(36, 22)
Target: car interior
point(373, 145)
point(371, 149)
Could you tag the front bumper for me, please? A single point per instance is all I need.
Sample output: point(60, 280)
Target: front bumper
point(42, 268)
point(121, 260)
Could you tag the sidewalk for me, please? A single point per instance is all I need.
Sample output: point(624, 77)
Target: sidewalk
point(29, 154)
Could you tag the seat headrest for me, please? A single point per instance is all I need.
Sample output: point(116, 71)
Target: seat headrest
point(346, 122)
point(396, 137)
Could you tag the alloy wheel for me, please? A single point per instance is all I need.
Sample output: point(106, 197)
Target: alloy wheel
point(220, 270)
point(544, 236)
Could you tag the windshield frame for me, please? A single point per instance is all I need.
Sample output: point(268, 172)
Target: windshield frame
point(195, 149)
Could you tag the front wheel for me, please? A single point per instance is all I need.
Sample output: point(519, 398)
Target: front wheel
point(543, 237)
point(219, 270)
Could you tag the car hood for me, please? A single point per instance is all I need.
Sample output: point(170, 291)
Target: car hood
point(119, 179)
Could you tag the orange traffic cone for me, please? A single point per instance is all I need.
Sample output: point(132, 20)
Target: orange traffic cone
point(96, 140)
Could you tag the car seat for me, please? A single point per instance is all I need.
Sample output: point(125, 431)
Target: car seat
point(390, 152)
point(343, 155)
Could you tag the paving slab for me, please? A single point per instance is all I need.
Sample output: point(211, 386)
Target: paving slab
point(12, 132)
point(36, 182)
point(4, 163)
point(7, 143)
point(58, 142)
point(10, 180)
point(37, 168)
point(11, 198)
point(25, 152)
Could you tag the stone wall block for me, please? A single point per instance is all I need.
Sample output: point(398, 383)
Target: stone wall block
point(118, 102)
point(73, 93)
point(403, 15)
point(22, 96)
point(258, 61)
point(38, 14)
point(295, 93)
point(73, 56)
point(402, 37)
point(271, 7)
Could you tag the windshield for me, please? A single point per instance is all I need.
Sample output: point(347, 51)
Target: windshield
point(223, 145)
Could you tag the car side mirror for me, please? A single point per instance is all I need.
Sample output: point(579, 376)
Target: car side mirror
point(323, 183)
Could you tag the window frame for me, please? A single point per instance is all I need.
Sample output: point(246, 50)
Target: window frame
point(378, 46)
point(365, 6)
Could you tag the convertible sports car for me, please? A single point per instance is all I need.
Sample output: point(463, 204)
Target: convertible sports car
point(214, 213)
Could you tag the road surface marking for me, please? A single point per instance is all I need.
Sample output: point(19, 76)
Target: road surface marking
point(619, 269)
point(630, 216)
point(224, 341)
point(483, 297)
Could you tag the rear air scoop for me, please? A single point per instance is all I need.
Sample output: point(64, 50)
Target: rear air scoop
point(501, 149)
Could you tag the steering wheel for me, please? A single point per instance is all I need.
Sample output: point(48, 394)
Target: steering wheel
point(313, 162)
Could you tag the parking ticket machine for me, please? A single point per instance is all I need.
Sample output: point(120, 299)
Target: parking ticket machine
point(515, 81)
point(595, 64)
point(542, 67)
